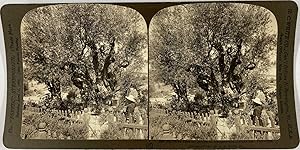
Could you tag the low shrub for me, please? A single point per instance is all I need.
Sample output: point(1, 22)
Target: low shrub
point(244, 135)
point(54, 124)
point(180, 128)
point(249, 135)
point(77, 131)
point(114, 132)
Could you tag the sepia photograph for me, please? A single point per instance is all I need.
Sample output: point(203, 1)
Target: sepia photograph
point(212, 73)
point(85, 73)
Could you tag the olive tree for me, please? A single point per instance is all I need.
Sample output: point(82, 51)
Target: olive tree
point(223, 49)
point(90, 46)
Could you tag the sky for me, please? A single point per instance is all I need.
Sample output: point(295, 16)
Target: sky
point(273, 28)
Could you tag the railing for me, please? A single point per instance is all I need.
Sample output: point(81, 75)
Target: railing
point(242, 123)
point(138, 130)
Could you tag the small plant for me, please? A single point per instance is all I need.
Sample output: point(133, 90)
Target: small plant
point(244, 135)
point(114, 132)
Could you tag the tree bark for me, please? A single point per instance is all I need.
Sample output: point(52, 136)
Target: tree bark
point(54, 88)
point(181, 91)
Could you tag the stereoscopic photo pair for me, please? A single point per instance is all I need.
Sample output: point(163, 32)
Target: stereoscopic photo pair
point(192, 72)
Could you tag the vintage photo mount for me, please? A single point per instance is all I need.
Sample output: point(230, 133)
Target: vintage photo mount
point(286, 16)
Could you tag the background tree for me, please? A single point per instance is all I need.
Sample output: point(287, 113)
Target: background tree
point(168, 36)
point(226, 49)
point(90, 46)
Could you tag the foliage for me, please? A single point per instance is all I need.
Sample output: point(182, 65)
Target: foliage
point(223, 50)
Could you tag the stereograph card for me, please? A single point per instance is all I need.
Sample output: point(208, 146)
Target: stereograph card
point(150, 75)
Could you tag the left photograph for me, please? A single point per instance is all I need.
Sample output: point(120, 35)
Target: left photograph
point(85, 73)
